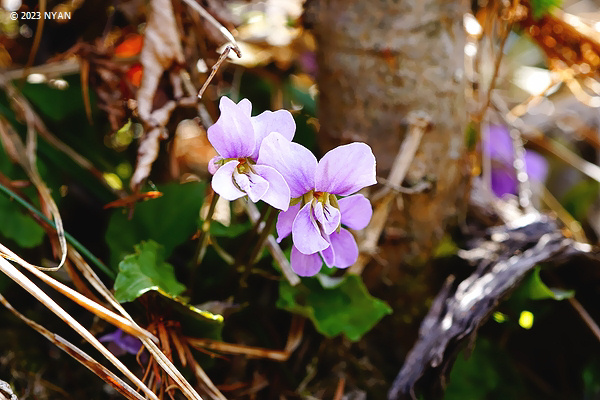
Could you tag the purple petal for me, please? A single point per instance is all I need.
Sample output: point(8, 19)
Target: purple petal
point(122, 342)
point(246, 106)
point(536, 166)
point(285, 220)
point(115, 349)
point(346, 169)
point(213, 164)
point(503, 182)
point(356, 211)
point(498, 144)
point(305, 264)
point(294, 162)
point(308, 62)
point(130, 344)
point(280, 121)
point(111, 337)
point(222, 181)
point(328, 256)
point(253, 184)
point(328, 217)
point(232, 135)
point(344, 248)
point(278, 193)
point(305, 233)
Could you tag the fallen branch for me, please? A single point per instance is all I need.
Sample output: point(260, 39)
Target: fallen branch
point(503, 259)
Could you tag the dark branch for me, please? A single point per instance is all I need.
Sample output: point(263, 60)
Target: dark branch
point(503, 259)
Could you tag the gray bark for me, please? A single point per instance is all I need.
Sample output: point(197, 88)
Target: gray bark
point(378, 61)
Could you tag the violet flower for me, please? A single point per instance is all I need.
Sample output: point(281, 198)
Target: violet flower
point(315, 217)
point(237, 137)
point(120, 343)
point(499, 147)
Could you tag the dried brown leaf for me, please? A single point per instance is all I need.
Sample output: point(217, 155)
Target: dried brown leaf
point(161, 48)
point(147, 153)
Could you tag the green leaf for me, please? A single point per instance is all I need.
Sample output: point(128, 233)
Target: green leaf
point(146, 270)
point(341, 307)
point(169, 220)
point(591, 380)
point(487, 374)
point(203, 323)
point(538, 290)
point(543, 7)
point(219, 230)
point(17, 226)
point(14, 223)
point(578, 200)
point(446, 248)
point(57, 104)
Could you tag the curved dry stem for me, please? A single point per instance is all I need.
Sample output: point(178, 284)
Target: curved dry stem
point(25, 155)
point(17, 276)
point(70, 238)
point(104, 373)
point(80, 299)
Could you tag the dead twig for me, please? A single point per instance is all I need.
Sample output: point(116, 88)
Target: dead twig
point(339, 390)
point(214, 69)
point(293, 341)
point(419, 123)
point(38, 35)
point(211, 389)
point(585, 316)
point(226, 34)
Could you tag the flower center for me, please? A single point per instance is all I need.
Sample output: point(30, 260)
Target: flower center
point(327, 200)
point(244, 166)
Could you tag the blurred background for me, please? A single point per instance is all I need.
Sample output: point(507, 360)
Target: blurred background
point(110, 91)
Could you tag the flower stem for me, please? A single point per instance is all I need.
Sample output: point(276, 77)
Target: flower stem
point(69, 238)
point(241, 258)
point(203, 239)
point(271, 216)
point(274, 248)
point(256, 229)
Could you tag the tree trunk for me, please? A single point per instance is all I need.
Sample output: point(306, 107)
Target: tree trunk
point(378, 61)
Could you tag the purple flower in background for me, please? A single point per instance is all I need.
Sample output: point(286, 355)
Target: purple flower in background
point(308, 62)
point(120, 343)
point(316, 216)
point(237, 137)
point(498, 146)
